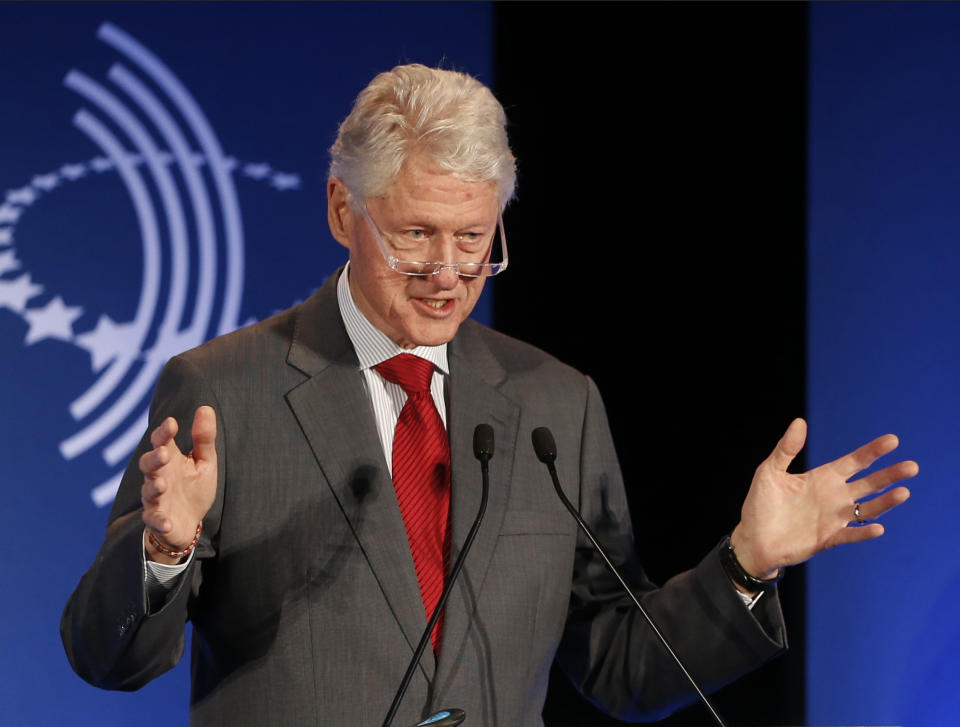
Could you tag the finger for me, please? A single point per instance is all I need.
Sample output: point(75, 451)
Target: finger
point(156, 521)
point(878, 506)
point(152, 488)
point(858, 534)
point(151, 462)
point(165, 432)
point(204, 434)
point(862, 457)
point(882, 479)
point(789, 445)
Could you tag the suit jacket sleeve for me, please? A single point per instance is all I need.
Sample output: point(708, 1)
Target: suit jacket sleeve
point(110, 638)
point(607, 650)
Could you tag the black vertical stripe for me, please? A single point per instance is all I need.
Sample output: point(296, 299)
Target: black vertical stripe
point(657, 243)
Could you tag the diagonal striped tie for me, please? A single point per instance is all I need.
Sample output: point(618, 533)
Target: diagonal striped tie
point(421, 477)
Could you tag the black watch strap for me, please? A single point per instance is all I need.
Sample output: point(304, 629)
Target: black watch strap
point(736, 573)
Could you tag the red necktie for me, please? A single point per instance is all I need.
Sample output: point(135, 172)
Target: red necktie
point(421, 477)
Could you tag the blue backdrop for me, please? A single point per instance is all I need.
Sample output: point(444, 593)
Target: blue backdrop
point(162, 180)
point(884, 351)
point(162, 173)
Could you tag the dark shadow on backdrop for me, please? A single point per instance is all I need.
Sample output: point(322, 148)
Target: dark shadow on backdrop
point(657, 243)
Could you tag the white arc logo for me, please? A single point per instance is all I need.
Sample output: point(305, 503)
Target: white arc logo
point(180, 184)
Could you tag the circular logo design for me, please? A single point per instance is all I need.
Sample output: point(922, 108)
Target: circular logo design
point(152, 133)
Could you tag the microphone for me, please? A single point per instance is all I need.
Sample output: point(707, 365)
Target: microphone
point(546, 450)
point(483, 444)
point(483, 451)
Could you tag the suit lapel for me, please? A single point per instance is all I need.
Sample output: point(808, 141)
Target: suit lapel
point(347, 448)
point(475, 398)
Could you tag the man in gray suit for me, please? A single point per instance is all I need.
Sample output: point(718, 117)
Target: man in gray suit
point(274, 524)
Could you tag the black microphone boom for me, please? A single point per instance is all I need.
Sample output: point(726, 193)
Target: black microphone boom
point(483, 451)
point(546, 449)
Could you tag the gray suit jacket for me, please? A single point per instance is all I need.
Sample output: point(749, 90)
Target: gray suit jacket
point(303, 594)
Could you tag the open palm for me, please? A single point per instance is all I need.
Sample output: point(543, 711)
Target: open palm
point(787, 518)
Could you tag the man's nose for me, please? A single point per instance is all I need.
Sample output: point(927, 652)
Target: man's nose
point(446, 277)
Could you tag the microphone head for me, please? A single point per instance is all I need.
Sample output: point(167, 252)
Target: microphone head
point(483, 441)
point(544, 445)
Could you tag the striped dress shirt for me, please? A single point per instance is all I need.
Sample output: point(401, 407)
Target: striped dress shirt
point(373, 346)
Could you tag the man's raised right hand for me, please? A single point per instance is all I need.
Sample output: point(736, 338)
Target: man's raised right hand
point(178, 489)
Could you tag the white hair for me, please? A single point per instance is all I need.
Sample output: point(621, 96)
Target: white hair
point(449, 116)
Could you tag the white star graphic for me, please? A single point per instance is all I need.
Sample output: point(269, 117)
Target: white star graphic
point(256, 171)
point(15, 294)
point(46, 182)
point(8, 261)
point(54, 320)
point(105, 342)
point(23, 196)
point(73, 171)
point(9, 213)
point(101, 164)
point(283, 181)
point(6, 235)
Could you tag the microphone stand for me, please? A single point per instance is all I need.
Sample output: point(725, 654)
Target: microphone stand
point(483, 451)
point(546, 450)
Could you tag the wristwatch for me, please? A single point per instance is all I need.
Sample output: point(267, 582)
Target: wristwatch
point(736, 573)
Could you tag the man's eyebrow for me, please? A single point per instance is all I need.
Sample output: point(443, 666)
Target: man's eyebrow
point(423, 223)
point(419, 222)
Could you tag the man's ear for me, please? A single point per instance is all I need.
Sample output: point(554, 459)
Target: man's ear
point(340, 215)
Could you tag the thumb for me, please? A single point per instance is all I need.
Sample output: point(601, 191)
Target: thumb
point(789, 445)
point(204, 434)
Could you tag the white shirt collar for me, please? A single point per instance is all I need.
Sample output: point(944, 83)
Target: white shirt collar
point(372, 345)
